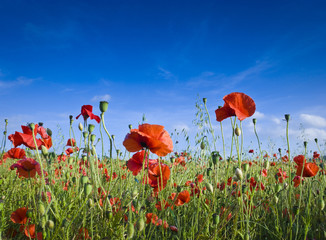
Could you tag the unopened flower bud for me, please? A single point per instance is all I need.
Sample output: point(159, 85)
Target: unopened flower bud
point(80, 126)
point(202, 145)
point(104, 106)
point(113, 137)
point(6, 121)
point(238, 173)
point(93, 137)
point(85, 134)
point(32, 126)
point(130, 126)
point(49, 132)
point(305, 143)
point(88, 189)
point(91, 128)
point(209, 187)
point(204, 100)
point(50, 224)
point(40, 124)
point(44, 151)
point(316, 140)
point(254, 121)
point(237, 131)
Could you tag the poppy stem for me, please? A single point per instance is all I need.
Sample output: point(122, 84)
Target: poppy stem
point(210, 126)
point(102, 119)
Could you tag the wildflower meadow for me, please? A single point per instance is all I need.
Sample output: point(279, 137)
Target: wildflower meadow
point(149, 190)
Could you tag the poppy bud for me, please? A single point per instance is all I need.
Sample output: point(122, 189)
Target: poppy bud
point(44, 151)
point(109, 215)
point(130, 126)
point(84, 180)
point(88, 189)
point(216, 218)
point(219, 107)
point(238, 173)
point(204, 100)
point(266, 164)
point(235, 178)
point(134, 192)
point(305, 143)
point(202, 145)
point(215, 156)
point(80, 126)
point(43, 221)
point(140, 224)
point(104, 106)
point(29, 213)
point(172, 159)
point(237, 131)
point(209, 187)
point(6, 121)
point(93, 137)
point(49, 132)
point(41, 208)
point(84, 158)
point(287, 117)
point(208, 171)
point(246, 167)
point(90, 203)
point(285, 185)
point(316, 140)
point(276, 199)
point(4, 132)
point(280, 150)
point(71, 160)
point(91, 128)
point(85, 134)
point(254, 121)
point(113, 137)
point(179, 189)
point(50, 224)
point(93, 150)
point(321, 204)
point(130, 230)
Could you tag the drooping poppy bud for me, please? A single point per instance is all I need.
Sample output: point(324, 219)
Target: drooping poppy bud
point(80, 126)
point(237, 131)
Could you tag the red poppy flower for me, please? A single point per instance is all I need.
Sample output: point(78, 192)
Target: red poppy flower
point(182, 198)
point(158, 175)
point(304, 168)
point(27, 167)
point(14, 153)
point(26, 137)
point(87, 111)
point(152, 137)
point(19, 216)
point(135, 163)
point(83, 234)
point(71, 142)
point(297, 180)
point(236, 104)
point(251, 151)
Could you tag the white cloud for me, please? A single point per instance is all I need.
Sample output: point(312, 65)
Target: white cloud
point(276, 120)
point(20, 81)
point(105, 97)
point(313, 120)
point(313, 133)
point(258, 115)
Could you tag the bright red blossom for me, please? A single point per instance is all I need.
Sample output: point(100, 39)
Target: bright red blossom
point(27, 167)
point(304, 168)
point(152, 137)
point(236, 104)
point(87, 111)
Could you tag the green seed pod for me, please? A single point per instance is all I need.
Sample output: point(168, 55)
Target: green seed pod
point(41, 208)
point(71, 160)
point(104, 106)
point(84, 179)
point(90, 203)
point(88, 189)
point(93, 137)
point(91, 128)
point(134, 192)
point(130, 230)
point(216, 218)
point(109, 215)
point(321, 204)
point(49, 132)
point(85, 134)
point(29, 213)
point(140, 224)
point(44, 151)
point(215, 156)
point(246, 167)
point(209, 172)
point(50, 224)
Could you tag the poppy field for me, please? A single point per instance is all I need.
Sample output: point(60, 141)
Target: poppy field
point(148, 190)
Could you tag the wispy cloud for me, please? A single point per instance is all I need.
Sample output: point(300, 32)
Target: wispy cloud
point(105, 97)
point(165, 74)
point(313, 120)
point(211, 79)
point(20, 81)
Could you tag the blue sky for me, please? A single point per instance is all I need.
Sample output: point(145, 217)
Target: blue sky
point(156, 57)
